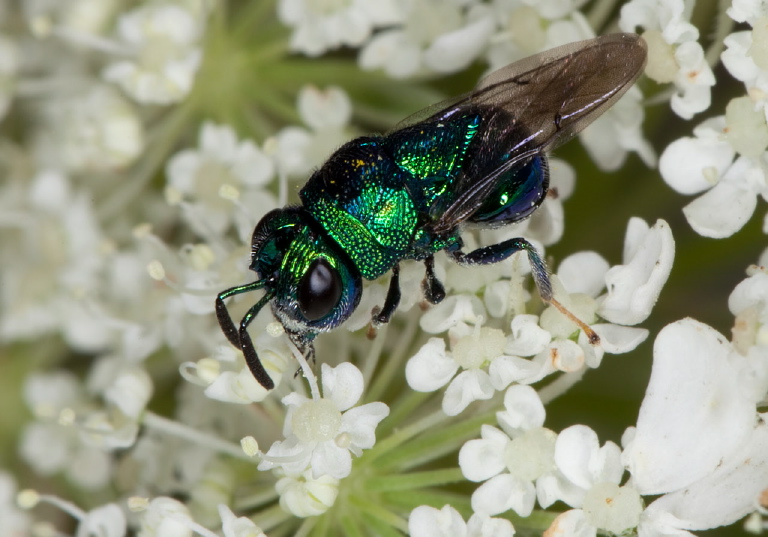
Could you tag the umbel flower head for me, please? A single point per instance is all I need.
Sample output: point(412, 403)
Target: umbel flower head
point(140, 145)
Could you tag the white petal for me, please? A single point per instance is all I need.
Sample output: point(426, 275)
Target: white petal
point(581, 459)
point(426, 521)
point(431, 367)
point(505, 370)
point(482, 458)
point(450, 312)
point(694, 412)
point(615, 339)
point(323, 109)
point(634, 287)
point(527, 338)
point(583, 272)
point(105, 521)
point(692, 165)
point(330, 459)
point(480, 525)
point(523, 410)
point(361, 422)
point(502, 493)
point(468, 386)
point(232, 526)
point(555, 486)
point(728, 493)
point(454, 51)
point(572, 523)
point(752, 292)
point(722, 211)
point(342, 384)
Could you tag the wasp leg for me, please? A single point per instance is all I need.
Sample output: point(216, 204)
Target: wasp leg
point(433, 290)
point(501, 251)
point(383, 315)
point(246, 345)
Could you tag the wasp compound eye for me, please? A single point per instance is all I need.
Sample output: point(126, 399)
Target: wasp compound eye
point(319, 290)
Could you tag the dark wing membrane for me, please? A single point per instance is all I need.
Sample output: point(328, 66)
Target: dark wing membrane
point(533, 106)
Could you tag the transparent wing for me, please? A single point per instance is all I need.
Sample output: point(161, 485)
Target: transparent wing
point(533, 106)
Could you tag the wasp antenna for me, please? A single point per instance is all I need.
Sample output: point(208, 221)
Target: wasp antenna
point(225, 321)
point(246, 344)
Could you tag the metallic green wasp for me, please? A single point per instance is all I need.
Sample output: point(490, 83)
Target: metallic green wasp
point(476, 159)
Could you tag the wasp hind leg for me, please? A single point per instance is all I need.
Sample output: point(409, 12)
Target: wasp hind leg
point(501, 251)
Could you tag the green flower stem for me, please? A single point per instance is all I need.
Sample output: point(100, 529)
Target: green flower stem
point(415, 480)
point(253, 501)
point(377, 511)
point(434, 443)
point(560, 386)
point(410, 499)
point(393, 442)
point(179, 430)
point(402, 408)
point(393, 367)
point(350, 526)
point(371, 361)
point(271, 517)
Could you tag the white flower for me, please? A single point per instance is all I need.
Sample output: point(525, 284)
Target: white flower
point(319, 26)
point(436, 36)
point(105, 521)
point(515, 463)
point(697, 437)
point(163, 41)
point(215, 175)
point(691, 165)
point(232, 526)
point(634, 287)
point(166, 517)
point(52, 444)
point(617, 132)
point(740, 58)
point(686, 428)
point(426, 521)
point(327, 113)
point(674, 49)
point(15, 521)
point(473, 351)
point(240, 386)
point(45, 293)
point(322, 434)
point(305, 495)
point(96, 130)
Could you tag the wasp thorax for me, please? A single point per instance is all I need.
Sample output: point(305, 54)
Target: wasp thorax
point(319, 290)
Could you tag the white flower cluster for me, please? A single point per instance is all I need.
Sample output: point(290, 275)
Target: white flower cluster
point(487, 360)
point(726, 157)
point(130, 190)
point(699, 433)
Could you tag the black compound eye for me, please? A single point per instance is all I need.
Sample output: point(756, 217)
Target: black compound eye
point(319, 290)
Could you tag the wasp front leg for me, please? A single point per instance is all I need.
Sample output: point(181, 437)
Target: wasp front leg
point(433, 289)
point(384, 314)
